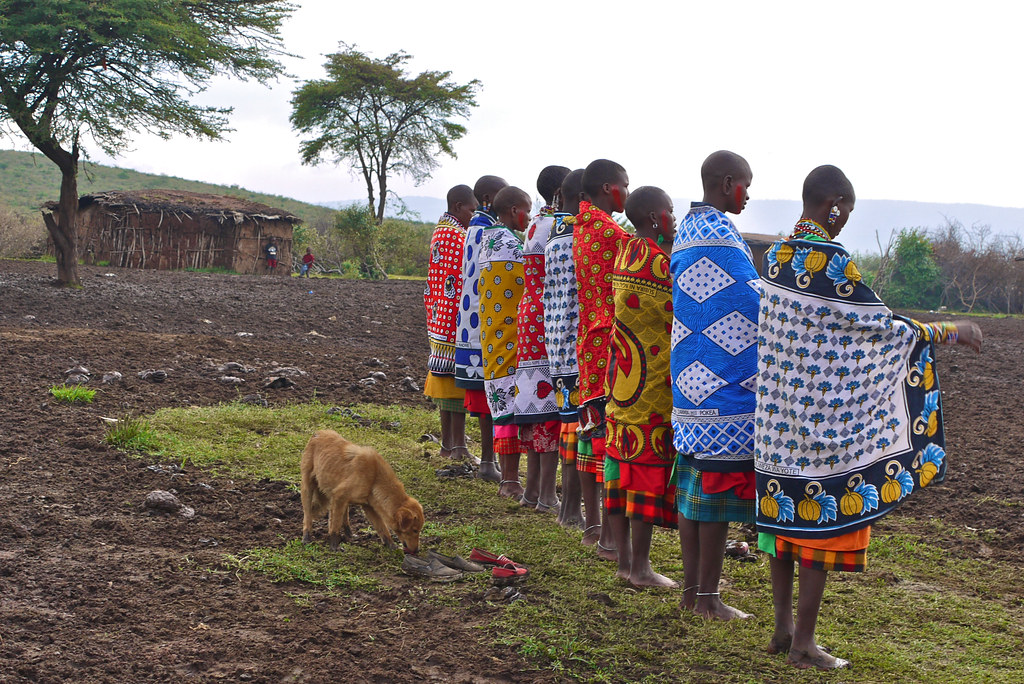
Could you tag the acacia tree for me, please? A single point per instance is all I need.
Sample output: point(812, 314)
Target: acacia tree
point(370, 114)
point(74, 71)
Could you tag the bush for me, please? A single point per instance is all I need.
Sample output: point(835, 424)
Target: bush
point(18, 237)
point(911, 279)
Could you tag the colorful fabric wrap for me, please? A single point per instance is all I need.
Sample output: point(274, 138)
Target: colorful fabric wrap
point(587, 461)
point(561, 316)
point(568, 441)
point(535, 400)
point(443, 387)
point(639, 433)
point(714, 335)
point(614, 494)
point(501, 289)
point(696, 504)
point(849, 418)
point(469, 368)
point(656, 509)
point(443, 291)
point(450, 405)
point(821, 559)
point(596, 242)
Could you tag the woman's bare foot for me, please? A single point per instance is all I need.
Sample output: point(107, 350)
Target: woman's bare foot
point(649, 578)
point(713, 608)
point(780, 643)
point(591, 535)
point(608, 554)
point(815, 658)
point(511, 489)
point(548, 507)
point(489, 471)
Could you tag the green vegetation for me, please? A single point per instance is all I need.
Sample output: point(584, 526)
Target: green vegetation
point(73, 394)
point(918, 614)
point(132, 434)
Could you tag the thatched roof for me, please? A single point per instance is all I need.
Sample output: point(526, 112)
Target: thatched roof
point(181, 202)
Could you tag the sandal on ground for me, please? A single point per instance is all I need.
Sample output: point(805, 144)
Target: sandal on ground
point(488, 558)
point(508, 573)
point(526, 502)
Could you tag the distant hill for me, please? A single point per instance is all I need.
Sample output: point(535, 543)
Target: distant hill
point(28, 180)
point(776, 216)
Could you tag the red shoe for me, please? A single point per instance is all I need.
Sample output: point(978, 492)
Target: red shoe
point(509, 572)
point(488, 558)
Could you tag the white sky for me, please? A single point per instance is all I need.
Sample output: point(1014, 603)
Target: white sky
point(913, 100)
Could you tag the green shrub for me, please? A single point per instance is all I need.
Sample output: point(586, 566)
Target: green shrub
point(914, 279)
point(132, 434)
point(73, 394)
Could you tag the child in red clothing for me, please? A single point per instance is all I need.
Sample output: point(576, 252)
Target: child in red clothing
point(307, 262)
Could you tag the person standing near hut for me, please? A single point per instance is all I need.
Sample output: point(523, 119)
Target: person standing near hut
point(307, 262)
point(271, 252)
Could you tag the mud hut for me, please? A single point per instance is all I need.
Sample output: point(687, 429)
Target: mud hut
point(174, 230)
point(759, 244)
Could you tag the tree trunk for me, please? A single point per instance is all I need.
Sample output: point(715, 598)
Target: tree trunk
point(64, 229)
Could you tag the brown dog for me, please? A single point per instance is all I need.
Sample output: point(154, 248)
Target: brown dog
point(337, 473)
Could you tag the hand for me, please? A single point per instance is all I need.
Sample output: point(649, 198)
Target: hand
point(968, 333)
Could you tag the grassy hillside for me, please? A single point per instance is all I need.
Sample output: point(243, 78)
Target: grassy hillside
point(28, 180)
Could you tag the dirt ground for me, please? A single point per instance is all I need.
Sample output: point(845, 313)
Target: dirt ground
point(93, 589)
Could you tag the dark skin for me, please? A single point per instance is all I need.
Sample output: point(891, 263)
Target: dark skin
point(612, 197)
point(730, 194)
point(658, 220)
point(463, 209)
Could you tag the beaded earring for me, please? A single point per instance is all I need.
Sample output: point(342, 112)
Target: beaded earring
point(833, 214)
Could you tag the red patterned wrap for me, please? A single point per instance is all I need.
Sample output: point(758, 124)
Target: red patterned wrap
point(442, 293)
point(596, 243)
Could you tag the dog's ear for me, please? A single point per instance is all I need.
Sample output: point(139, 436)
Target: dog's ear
point(407, 518)
point(404, 518)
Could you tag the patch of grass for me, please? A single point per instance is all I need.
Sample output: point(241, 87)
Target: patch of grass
point(917, 614)
point(312, 564)
point(133, 434)
point(73, 394)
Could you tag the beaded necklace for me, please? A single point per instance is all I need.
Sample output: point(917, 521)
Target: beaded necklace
point(809, 227)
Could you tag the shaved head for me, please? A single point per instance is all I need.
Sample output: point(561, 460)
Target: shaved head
point(644, 200)
point(487, 188)
point(508, 197)
point(572, 186)
point(599, 172)
point(824, 184)
point(549, 180)
point(460, 193)
point(720, 164)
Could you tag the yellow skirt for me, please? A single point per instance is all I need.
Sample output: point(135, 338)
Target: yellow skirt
point(442, 387)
